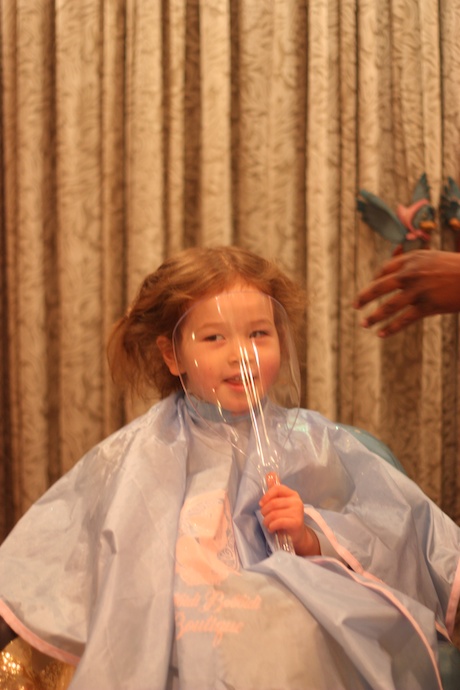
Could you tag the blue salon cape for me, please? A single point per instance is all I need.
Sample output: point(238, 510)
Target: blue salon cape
point(153, 543)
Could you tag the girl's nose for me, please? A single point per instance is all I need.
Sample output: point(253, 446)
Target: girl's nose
point(234, 351)
point(243, 353)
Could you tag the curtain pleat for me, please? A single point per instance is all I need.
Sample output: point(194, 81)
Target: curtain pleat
point(131, 129)
point(450, 147)
point(25, 109)
point(174, 128)
point(322, 207)
point(215, 96)
point(348, 236)
point(254, 72)
point(113, 197)
point(79, 219)
point(144, 141)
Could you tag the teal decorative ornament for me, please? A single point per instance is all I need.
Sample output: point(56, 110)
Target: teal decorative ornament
point(450, 208)
point(408, 228)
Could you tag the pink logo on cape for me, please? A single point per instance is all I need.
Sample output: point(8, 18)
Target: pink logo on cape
point(205, 549)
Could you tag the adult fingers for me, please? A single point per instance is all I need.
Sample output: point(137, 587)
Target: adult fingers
point(393, 305)
point(378, 288)
point(398, 323)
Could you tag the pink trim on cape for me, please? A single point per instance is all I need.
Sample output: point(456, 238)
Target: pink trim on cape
point(358, 568)
point(34, 640)
point(453, 601)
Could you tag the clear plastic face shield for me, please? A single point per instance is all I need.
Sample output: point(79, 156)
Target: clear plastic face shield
point(235, 352)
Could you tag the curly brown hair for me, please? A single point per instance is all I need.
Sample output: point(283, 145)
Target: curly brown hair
point(135, 360)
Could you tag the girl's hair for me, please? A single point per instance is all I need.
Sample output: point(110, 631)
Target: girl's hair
point(135, 360)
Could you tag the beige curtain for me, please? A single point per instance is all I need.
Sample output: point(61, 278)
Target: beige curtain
point(133, 128)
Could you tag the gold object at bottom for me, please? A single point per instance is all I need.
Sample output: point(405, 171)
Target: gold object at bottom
point(24, 668)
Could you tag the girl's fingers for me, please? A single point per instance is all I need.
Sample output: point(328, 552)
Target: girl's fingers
point(276, 490)
point(282, 503)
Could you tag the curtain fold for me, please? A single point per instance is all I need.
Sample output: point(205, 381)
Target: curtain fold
point(133, 128)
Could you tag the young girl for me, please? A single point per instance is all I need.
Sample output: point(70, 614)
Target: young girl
point(154, 563)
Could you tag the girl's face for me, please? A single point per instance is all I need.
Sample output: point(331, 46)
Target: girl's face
point(221, 334)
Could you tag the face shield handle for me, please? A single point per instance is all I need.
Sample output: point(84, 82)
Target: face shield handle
point(268, 466)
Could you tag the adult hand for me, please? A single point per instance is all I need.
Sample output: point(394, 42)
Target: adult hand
point(282, 509)
point(419, 283)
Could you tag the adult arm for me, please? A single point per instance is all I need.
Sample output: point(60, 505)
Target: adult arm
point(418, 284)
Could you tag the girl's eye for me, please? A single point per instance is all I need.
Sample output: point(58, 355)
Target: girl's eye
point(258, 334)
point(213, 338)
